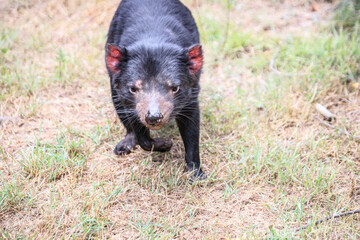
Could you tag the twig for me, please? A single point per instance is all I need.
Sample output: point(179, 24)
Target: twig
point(328, 218)
point(325, 219)
point(340, 131)
point(324, 111)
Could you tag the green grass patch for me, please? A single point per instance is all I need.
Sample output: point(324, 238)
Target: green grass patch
point(12, 196)
point(53, 161)
point(347, 15)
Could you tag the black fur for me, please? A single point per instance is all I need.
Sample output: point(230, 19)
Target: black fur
point(154, 38)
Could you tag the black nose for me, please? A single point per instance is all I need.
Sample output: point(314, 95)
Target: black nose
point(153, 119)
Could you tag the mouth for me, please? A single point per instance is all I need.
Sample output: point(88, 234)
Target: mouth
point(154, 126)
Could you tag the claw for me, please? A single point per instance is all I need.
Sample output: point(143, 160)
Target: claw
point(125, 146)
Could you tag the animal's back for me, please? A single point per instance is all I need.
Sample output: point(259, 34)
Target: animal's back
point(157, 21)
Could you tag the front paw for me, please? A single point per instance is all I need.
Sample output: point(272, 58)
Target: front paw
point(125, 146)
point(162, 144)
point(122, 149)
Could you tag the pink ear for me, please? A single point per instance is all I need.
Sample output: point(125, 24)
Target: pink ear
point(113, 58)
point(195, 59)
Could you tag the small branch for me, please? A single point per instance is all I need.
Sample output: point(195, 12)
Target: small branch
point(324, 111)
point(340, 131)
point(329, 218)
point(325, 219)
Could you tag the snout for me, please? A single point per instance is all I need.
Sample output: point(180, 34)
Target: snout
point(154, 119)
point(154, 110)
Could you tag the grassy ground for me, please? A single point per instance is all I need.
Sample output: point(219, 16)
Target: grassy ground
point(272, 166)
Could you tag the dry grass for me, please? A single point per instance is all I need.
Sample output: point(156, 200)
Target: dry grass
point(271, 166)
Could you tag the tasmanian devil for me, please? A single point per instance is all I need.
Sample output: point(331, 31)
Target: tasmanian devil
point(154, 60)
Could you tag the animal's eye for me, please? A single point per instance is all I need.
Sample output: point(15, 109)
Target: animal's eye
point(133, 90)
point(175, 89)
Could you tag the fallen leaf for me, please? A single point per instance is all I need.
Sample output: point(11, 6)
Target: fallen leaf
point(354, 86)
point(314, 6)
